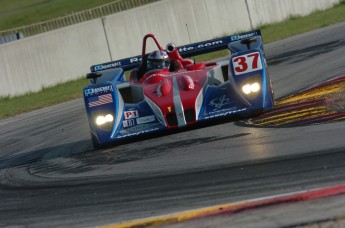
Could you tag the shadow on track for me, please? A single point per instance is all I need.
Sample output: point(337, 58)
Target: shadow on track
point(61, 151)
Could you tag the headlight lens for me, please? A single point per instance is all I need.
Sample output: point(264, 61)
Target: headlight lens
point(109, 118)
point(255, 87)
point(101, 120)
point(251, 88)
point(246, 89)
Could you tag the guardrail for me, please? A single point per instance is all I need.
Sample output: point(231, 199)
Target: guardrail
point(11, 37)
point(74, 18)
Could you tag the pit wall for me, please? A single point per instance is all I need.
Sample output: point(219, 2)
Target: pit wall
point(65, 54)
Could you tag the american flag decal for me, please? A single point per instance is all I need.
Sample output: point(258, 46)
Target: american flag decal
point(100, 100)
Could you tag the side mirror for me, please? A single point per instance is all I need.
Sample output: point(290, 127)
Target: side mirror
point(94, 76)
point(171, 47)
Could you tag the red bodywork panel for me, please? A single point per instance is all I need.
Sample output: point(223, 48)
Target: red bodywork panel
point(159, 87)
point(185, 82)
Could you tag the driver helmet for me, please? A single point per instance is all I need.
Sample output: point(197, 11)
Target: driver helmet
point(157, 60)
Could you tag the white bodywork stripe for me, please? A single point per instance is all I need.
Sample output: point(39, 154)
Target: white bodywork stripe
point(118, 114)
point(181, 120)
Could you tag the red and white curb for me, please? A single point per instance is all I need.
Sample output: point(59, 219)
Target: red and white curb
point(232, 208)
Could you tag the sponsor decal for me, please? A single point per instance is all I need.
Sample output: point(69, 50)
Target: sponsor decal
point(219, 102)
point(100, 100)
point(107, 66)
point(243, 36)
point(225, 113)
point(128, 123)
point(222, 110)
point(131, 114)
point(146, 119)
point(93, 91)
point(135, 60)
point(200, 46)
point(141, 127)
point(116, 64)
point(88, 92)
point(138, 133)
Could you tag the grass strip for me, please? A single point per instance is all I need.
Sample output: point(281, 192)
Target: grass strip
point(18, 13)
point(297, 25)
point(11, 106)
point(73, 90)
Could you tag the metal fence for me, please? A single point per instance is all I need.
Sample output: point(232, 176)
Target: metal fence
point(74, 18)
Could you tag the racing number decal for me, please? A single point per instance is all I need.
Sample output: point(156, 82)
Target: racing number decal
point(247, 63)
point(242, 64)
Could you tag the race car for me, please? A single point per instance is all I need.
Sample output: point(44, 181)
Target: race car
point(166, 90)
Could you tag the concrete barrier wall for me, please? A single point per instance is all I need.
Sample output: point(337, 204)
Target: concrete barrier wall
point(50, 58)
point(65, 54)
point(206, 19)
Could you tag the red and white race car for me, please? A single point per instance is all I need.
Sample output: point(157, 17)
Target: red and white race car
point(167, 91)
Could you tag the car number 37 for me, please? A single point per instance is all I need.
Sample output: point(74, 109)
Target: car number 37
point(247, 63)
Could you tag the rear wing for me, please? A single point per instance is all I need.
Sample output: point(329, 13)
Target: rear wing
point(185, 51)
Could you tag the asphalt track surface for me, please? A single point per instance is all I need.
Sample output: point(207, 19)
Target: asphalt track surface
point(51, 177)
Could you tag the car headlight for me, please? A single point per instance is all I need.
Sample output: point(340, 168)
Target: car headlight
point(246, 89)
point(101, 120)
point(109, 118)
point(255, 87)
point(250, 88)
